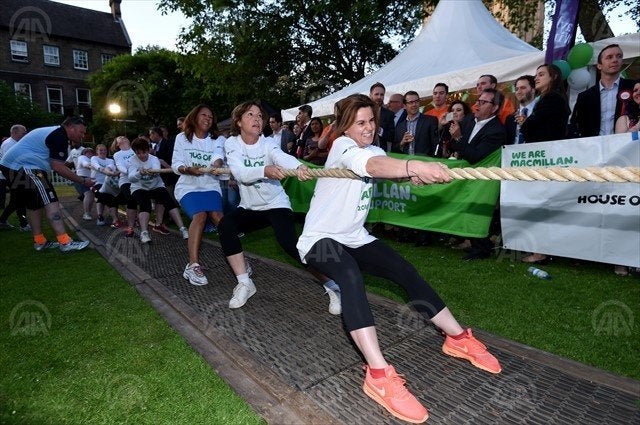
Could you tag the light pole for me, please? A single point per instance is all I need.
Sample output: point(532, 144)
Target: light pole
point(115, 109)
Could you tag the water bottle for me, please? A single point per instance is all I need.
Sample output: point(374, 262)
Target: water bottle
point(539, 273)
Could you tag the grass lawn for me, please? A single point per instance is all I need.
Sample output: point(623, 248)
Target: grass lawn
point(80, 346)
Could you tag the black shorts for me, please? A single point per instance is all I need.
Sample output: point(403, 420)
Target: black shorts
point(125, 198)
point(32, 189)
point(159, 194)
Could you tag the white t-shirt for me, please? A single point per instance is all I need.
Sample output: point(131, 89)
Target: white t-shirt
point(339, 207)
point(97, 164)
point(197, 153)
point(121, 158)
point(144, 181)
point(247, 163)
point(111, 186)
point(83, 166)
point(4, 148)
point(73, 156)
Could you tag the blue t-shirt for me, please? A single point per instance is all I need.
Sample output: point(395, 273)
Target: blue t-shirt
point(37, 148)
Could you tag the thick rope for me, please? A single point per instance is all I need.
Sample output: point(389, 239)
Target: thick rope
point(560, 174)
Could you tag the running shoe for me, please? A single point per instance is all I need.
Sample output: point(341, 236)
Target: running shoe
point(25, 228)
point(46, 245)
point(184, 232)
point(392, 394)
point(100, 221)
point(473, 350)
point(162, 229)
point(128, 232)
point(87, 217)
point(335, 304)
point(73, 246)
point(117, 224)
point(193, 273)
point(241, 293)
point(144, 237)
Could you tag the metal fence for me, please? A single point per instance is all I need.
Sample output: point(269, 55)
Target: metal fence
point(58, 180)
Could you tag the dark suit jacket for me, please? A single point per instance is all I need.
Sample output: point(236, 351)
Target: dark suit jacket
point(387, 126)
point(286, 138)
point(585, 120)
point(488, 139)
point(548, 120)
point(302, 140)
point(165, 152)
point(425, 141)
point(402, 117)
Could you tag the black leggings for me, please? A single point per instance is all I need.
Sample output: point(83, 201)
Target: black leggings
point(245, 221)
point(345, 266)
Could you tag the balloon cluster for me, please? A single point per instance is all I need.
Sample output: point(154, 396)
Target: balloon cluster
point(574, 69)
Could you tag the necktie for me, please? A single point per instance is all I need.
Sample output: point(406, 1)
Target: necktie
point(525, 113)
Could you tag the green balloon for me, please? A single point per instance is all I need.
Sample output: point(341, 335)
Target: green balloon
point(580, 55)
point(565, 68)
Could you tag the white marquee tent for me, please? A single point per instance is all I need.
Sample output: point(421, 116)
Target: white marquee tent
point(460, 41)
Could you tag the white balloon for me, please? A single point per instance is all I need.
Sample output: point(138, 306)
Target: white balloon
point(579, 79)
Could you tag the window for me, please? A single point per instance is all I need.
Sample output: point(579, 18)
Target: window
point(23, 89)
point(51, 55)
point(19, 52)
point(54, 99)
point(80, 59)
point(83, 97)
point(106, 57)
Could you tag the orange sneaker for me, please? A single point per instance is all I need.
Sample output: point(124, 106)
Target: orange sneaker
point(473, 350)
point(393, 395)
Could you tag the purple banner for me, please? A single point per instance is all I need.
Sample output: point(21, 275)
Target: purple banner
point(563, 29)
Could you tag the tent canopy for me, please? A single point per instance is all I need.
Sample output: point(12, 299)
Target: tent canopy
point(460, 41)
point(460, 34)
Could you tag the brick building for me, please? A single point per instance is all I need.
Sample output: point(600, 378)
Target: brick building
point(49, 49)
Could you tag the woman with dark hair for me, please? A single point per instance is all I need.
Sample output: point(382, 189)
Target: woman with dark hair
point(197, 191)
point(630, 121)
point(312, 152)
point(549, 118)
point(257, 163)
point(335, 224)
point(458, 110)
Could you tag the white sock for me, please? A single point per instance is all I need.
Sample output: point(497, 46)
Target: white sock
point(243, 278)
point(332, 285)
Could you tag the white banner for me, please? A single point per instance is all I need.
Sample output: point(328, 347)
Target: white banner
point(591, 221)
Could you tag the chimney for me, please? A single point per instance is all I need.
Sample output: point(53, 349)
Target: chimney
point(115, 9)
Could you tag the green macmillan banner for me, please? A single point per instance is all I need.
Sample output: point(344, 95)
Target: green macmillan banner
point(462, 207)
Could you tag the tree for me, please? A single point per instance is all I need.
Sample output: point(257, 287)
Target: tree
point(269, 49)
point(18, 109)
point(150, 88)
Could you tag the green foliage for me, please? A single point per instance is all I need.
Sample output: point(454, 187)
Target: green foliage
point(272, 49)
point(18, 109)
point(150, 88)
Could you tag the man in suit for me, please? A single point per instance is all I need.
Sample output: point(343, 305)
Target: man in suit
point(416, 134)
point(478, 138)
point(396, 105)
point(475, 140)
point(281, 135)
point(303, 118)
point(526, 97)
point(597, 108)
point(488, 81)
point(387, 128)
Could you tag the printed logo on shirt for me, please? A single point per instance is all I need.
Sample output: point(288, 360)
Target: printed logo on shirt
point(199, 158)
